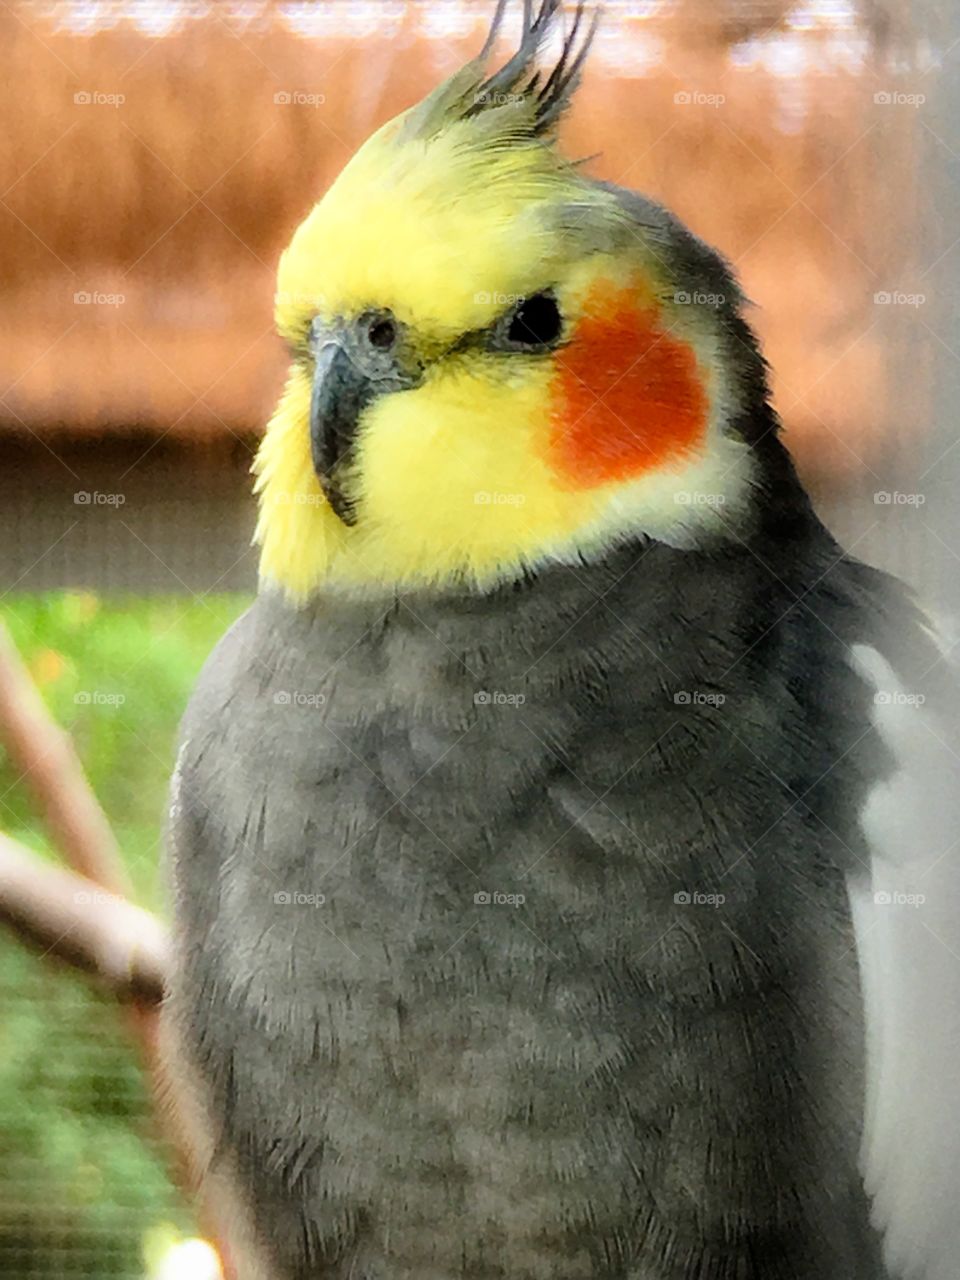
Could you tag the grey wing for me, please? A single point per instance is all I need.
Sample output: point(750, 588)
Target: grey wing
point(906, 908)
point(199, 1022)
point(187, 1093)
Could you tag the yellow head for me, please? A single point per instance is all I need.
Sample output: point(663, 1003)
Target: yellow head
point(497, 362)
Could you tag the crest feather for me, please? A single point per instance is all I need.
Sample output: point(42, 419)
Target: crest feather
point(519, 98)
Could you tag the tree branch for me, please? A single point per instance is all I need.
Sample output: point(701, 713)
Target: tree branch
point(47, 761)
point(71, 917)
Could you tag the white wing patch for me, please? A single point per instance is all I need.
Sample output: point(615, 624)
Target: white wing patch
point(175, 802)
point(906, 911)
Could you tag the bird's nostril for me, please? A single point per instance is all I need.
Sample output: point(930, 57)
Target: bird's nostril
point(382, 333)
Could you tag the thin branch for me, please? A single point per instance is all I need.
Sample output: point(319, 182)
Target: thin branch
point(45, 757)
point(106, 935)
point(71, 917)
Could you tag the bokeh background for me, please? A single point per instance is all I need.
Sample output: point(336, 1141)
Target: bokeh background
point(154, 160)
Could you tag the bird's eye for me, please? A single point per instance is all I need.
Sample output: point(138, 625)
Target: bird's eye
point(382, 332)
point(535, 322)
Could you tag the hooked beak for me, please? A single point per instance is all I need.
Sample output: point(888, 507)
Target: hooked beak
point(354, 363)
point(341, 391)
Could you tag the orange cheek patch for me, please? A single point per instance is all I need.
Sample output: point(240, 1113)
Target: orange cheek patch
point(627, 397)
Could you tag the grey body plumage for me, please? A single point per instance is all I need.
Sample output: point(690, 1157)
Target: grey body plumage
point(605, 1081)
point(640, 1052)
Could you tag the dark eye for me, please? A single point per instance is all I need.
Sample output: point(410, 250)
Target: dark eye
point(382, 332)
point(535, 322)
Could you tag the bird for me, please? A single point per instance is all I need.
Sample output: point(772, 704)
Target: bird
point(544, 904)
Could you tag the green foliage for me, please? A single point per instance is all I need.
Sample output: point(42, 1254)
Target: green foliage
point(82, 1176)
point(116, 675)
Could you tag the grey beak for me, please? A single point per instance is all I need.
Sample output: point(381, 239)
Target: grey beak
point(341, 391)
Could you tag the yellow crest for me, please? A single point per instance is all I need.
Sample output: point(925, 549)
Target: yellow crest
point(490, 263)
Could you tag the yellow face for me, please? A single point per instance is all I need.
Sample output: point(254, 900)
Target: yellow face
point(501, 454)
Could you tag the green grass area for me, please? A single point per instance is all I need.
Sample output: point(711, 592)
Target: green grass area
point(82, 1178)
point(116, 674)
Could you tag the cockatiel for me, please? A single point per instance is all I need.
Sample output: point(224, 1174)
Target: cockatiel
point(521, 827)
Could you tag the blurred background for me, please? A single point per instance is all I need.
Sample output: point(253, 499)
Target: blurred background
point(154, 160)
